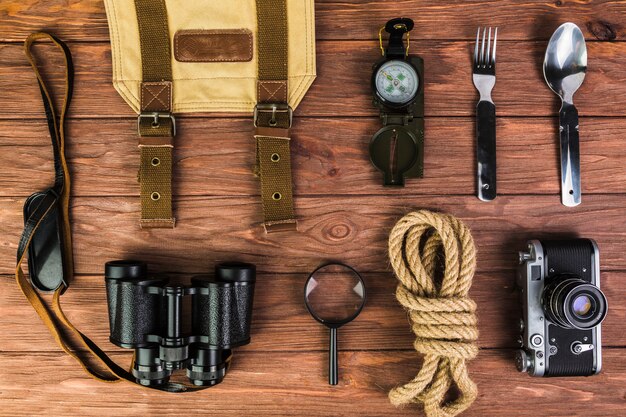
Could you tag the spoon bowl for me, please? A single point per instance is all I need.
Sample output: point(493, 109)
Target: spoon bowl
point(565, 63)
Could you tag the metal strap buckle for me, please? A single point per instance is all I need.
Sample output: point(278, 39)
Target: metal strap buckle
point(274, 109)
point(156, 117)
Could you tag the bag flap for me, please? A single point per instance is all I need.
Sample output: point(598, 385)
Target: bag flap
point(206, 81)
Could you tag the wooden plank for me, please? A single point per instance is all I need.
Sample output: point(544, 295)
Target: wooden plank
point(290, 384)
point(216, 156)
point(351, 229)
point(281, 322)
point(343, 84)
point(519, 19)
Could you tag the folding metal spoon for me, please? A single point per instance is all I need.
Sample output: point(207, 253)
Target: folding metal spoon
point(564, 69)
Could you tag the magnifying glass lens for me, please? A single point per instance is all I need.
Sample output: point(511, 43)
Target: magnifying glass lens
point(335, 294)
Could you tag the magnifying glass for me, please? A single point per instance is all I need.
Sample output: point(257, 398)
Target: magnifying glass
point(334, 294)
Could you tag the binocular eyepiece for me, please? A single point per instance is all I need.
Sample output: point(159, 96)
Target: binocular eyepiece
point(146, 314)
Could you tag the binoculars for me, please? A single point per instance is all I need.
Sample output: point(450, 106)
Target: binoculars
point(146, 314)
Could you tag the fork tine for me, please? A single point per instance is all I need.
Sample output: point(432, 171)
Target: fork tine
point(476, 62)
point(482, 49)
point(495, 44)
point(488, 60)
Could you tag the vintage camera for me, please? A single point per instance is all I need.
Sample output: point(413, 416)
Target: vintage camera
point(562, 308)
point(146, 314)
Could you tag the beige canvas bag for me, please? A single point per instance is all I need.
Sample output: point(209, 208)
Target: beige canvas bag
point(175, 56)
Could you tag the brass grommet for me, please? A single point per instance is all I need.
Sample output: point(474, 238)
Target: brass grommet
point(156, 162)
point(275, 157)
point(277, 196)
point(155, 125)
point(155, 196)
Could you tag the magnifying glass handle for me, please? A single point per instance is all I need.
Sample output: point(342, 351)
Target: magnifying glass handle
point(333, 372)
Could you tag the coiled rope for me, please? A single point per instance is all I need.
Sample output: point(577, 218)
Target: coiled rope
point(441, 315)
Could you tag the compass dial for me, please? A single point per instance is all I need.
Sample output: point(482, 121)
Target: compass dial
point(397, 82)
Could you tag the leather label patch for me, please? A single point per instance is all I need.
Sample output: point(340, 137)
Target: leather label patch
point(227, 45)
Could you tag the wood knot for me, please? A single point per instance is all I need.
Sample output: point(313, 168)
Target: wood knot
point(602, 30)
point(339, 231)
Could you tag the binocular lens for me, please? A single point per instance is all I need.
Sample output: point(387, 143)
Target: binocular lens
point(235, 272)
point(147, 369)
point(125, 270)
point(575, 304)
point(208, 366)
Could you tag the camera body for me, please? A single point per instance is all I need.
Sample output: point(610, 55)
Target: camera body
point(563, 307)
point(146, 314)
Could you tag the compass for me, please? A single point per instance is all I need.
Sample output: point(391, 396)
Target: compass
point(397, 148)
point(396, 82)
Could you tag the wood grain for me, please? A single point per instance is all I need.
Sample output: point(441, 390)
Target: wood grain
point(288, 383)
point(216, 156)
point(356, 19)
point(281, 322)
point(351, 229)
point(343, 84)
point(345, 213)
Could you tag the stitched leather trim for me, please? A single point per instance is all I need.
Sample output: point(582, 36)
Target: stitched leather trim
point(213, 45)
point(272, 132)
point(156, 96)
point(281, 226)
point(272, 91)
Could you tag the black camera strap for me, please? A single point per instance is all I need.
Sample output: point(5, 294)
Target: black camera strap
point(55, 202)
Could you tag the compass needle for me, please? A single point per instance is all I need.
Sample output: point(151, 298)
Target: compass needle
point(389, 77)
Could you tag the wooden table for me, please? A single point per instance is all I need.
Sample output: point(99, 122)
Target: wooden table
point(345, 212)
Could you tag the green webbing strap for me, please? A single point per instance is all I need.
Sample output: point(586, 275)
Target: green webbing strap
point(156, 62)
point(273, 116)
point(156, 125)
point(272, 40)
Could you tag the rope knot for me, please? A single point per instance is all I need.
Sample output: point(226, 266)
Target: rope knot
point(442, 315)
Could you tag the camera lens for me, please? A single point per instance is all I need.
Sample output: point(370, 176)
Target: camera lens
point(582, 306)
point(573, 303)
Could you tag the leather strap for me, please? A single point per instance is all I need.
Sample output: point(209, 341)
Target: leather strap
point(53, 318)
point(273, 116)
point(67, 336)
point(155, 119)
